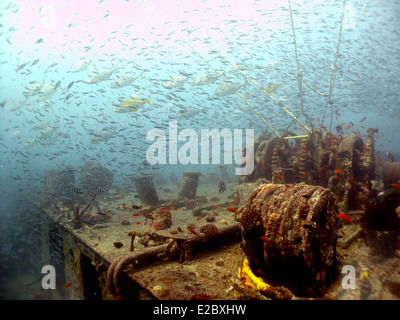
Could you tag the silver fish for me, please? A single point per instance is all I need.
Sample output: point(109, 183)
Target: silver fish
point(188, 112)
point(100, 137)
point(47, 91)
point(227, 88)
point(206, 78)
point(33, 89)
point(125, 80)
point(80, 65)
point(175, 82)
point(99, 76)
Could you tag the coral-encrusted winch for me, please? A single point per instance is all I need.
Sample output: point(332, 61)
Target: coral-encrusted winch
point(289, 235)
point(343, 164)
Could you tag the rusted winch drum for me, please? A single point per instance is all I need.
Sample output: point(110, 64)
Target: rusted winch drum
point(289, 235)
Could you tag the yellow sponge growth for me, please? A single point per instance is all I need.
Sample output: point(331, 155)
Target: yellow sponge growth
point(250, 279)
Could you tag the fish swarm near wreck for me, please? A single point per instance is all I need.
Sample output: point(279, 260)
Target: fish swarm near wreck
point(289, 232)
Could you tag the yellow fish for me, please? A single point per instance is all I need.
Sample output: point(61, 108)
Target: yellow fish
point(364, 274)
point(131, 105)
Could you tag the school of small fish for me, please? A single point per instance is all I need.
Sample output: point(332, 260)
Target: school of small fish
point(90, 87)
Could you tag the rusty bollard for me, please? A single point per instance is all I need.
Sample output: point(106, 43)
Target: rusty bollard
point(189, 184)
point(146, 189)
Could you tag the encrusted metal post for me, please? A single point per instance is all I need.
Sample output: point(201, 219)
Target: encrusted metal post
point(189, 184)
point(146, 189)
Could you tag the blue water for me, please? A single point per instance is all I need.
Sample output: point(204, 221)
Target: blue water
point(165, 39)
